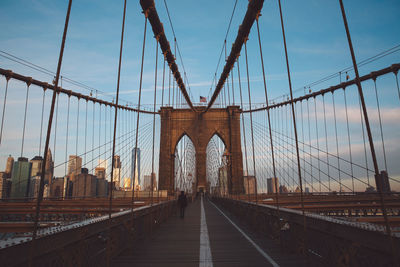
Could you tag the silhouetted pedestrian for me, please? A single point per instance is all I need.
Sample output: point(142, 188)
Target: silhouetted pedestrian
point(182, 203)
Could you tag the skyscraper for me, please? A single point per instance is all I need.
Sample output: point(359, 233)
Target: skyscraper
point(127, 184)
point(74, 165)
point(36, 166)
point(85, 185)
point(48, 176)
point(36, 171)
point(117, 172)
point(272, 185)
point(249, 183)
point(20, 178)
point(150, 182)
point(103, 163)
point(100, 172)
point(135, 176)
point(3, 185)
point(9, 166)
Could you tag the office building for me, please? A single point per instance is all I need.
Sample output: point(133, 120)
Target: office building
point(102, 188)
point(5, 185)
point(48, 176)
point(117, 172)
point(283, 189)
point(149, 182)
point(100, 172)
point(135, 172)
point(20, 178)
point(57, 188)
point(34, 186)
point(383, 182)
point(127, 183)
point(272, 185)
point(74, 165)
point(85, 185)
point(36, 166)
point(9, 166)
point(249, 184)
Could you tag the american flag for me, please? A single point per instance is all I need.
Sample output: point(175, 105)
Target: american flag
point(203, 99)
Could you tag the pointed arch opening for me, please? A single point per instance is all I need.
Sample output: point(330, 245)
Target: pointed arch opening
point(217, 171)
point(185, 165)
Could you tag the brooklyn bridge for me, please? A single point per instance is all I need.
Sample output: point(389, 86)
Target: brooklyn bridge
point(273, 174)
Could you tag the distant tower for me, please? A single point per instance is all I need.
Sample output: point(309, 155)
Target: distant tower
point(48, 176)
point(100, 172)
point(36, 169)
point(135, 176)
point(103, 163)
point(74, 165)
point(117, 171)
point(9, 166)
point(20, 178)
point(272, 185)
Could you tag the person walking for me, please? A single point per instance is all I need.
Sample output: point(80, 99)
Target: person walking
point(182, 203)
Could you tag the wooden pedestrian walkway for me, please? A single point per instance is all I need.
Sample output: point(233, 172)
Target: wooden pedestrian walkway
point(218, 241)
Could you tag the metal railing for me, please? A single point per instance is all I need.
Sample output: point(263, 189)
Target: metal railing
point(327, 241)
point(84, 243)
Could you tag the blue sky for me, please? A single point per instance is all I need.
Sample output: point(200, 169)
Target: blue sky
point(315, 36)
point(316, 40)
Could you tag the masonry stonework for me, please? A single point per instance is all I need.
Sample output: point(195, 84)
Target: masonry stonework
point(200, 128)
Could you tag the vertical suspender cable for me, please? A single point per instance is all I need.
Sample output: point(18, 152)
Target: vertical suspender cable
point(138, 113)
point(244, 131)
point(169, 86)
point(4, 108)
point(367, 126)
point(66, 138)
point(154, 122)
point(233, 91)
point(380, 125)
point(227, 84)
point(348, 138)
point(113, 148)
point(41, 122)
point(77, 130)
point(310, 145)
point(99, 157)
point(173, 80)
point(269, 120)
point(93, 148)
point(316, 131)
point(302, 140)
point(163, 78)
point(326, 144)
point(397, 83)
point(86, 113)
point(337, 143)
point(293, 154)
point(55, 127)
point(41, 185)
point(365, 147)
point(105, 132)
point(286, 137)
point(26, 108)
point(251, 122)
point(294, 125)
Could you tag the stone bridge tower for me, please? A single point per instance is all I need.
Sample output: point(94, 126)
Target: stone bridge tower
point(200, 128)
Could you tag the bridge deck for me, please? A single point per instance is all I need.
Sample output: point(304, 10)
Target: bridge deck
point(177, 243)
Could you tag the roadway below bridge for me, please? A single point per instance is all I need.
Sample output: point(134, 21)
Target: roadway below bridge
point(207, 236)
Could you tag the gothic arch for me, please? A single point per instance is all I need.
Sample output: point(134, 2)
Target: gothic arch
point(175, 143)
point(200, 128)
point(220, 135)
